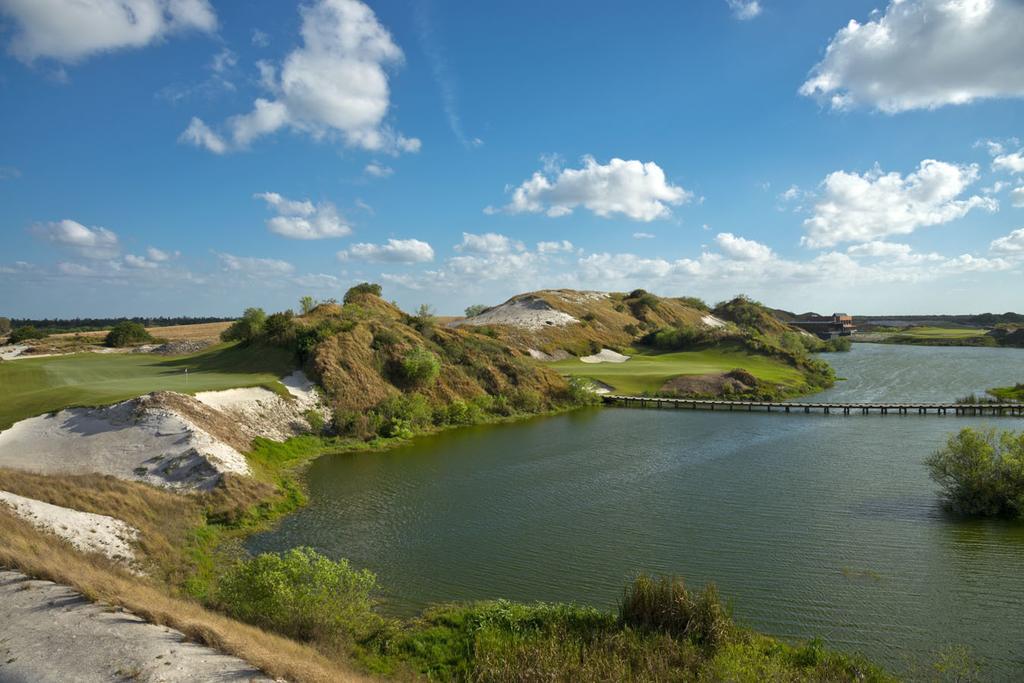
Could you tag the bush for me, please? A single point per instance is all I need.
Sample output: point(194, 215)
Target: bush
point(676, 338)
point(280, 329)
point(403, 415)
point(249, 327)
point(362, 288)
point(5, 326)
point(666, 605)
point(420, 367)
point(307, 304)
point(301, 594)
point(981, 473)
point(694, 302)
point(838, 344)
point(475, 310)
point(25, 333)
point(127, 333)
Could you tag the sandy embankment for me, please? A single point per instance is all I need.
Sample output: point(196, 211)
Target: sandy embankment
point(164, 438)
point(86, 531)
point(52, 633)
point(527, 313)
point(712, 321)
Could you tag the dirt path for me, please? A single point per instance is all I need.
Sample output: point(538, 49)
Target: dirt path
point(51, 633)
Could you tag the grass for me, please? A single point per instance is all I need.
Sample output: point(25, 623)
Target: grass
point(646, 373)
point(926, 332)
point(40, 385)
point(1014, 393)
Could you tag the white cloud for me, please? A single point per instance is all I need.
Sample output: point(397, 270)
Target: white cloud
point(633, 189)
point(140, 261)
point(1012, 163)
point(488, 243)
point(200, 135)
point(554, 247)
point(302, 220)
point(223, 61)
point(70, 30)
point(317, 281)
point(878, 248)
point(744, 9)
point(1012, 244)
point(924, 54)
point(861, 208)
point(260, 38)
point(395, 251)
point(93, 243)
point(74, 269)
point(255, 267)
point(742, 249)
point(378, 170)
point(644, 235)
point(335, 85)
point(1017, 197)
point(159, 255)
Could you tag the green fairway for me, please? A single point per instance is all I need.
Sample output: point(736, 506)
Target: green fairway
point(942, 332)
point(648, 372)
point(34, 386)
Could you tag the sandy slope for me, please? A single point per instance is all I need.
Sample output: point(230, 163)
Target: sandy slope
point(51, 633)
point(86, 531)
point(164, 438)
point(527, 313)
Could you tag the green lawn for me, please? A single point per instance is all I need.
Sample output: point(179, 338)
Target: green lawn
point(648, 372)
point(34, 386)
point(942, 332)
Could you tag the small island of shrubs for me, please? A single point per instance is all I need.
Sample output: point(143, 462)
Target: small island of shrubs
point(981, 473)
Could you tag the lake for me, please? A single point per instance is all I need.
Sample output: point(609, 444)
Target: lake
point(811, 525)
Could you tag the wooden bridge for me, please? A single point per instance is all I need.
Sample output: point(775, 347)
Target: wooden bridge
point(964, 409)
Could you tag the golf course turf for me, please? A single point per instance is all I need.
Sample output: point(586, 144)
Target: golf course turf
point(647, 372)
point(33, 386)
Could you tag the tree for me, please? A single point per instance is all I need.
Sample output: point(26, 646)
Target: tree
point(25, 333)
point(307, 304)
point(5, 326)
point(127, 333)
point(248, 328)
point(420, 367)
point(475, 310)
point(981, 473)
point(362, 288)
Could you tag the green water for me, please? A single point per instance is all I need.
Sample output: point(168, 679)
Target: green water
point(811, 525)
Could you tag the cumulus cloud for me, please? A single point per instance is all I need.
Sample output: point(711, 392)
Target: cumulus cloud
point(318, 281)
point(93, 243)
point(140, 261)
point(861, 208)
point(378, 170)
point(1017, 197)
point(394, 251)
point(744, 9)
point(200, 135)
point(303, 220)
point(741, 248)
point(159, 255)
point(878, 248)
point(924, 54)
point(334, 86)
point(255, 267)
point(633, 189)
point(644, 236)
point(488, 243)
point(554, 246)
point(1011, 163)
point(70, 30)
point(1011, 245)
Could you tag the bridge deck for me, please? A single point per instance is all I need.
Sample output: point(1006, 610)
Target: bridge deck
point(881, 408)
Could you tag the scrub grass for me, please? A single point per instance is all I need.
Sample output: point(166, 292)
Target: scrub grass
point(41, 385)
point(646, 373)
point(942, 332)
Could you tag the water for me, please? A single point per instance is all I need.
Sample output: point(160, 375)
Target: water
point(812, 525)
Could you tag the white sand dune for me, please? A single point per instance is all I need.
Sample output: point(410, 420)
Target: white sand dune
point(605, 356)
point(86, 531)
point(712, 321)
point(528, 313)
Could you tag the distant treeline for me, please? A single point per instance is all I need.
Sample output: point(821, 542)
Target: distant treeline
point(56, 325)
point(979, 320)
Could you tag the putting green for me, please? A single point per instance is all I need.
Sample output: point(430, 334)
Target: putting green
point(31, 387)
point(647, 372)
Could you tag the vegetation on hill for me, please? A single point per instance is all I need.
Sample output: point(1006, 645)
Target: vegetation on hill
point(25, 333)
point(127, 333)
point(981, 473)
point(1014, 393)
point(387, 373)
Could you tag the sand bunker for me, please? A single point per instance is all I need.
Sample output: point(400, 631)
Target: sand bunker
point(528, 313)
point(605, 356)
point(260, 412)
point(87, 532)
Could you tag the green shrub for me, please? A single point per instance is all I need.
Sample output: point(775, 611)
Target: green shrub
point(475, 310)
point(676, 338)
point(458, 412)
point(838, 344)
point(667, 606)
point(362, 288)
point(420, 367)
point(301, 594)
point(127, 333)
point(25, 333)
point(694, 302)
point(315, 420)
point(526, 400)
point(981, 473)
point(403, 415)
point(307, 304)
point(248, 328)
point(280, 329)
point(384, 338)
point(5, 326)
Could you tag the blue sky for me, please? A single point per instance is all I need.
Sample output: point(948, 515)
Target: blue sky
point(197, 157)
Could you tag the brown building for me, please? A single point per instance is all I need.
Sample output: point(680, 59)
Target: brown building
point(827, 327)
